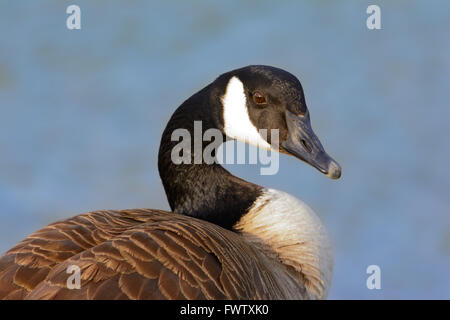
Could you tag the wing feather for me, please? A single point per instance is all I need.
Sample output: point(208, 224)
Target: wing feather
point(135, 254)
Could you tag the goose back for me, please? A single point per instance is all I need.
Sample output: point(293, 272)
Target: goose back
point(141, 254)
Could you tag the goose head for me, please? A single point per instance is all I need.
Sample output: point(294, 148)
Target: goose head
point(259, 99)
point(240, 104)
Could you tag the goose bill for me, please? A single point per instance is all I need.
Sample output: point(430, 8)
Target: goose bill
point(303, 144)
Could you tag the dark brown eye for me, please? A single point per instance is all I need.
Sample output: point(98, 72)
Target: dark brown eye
point(259, 98)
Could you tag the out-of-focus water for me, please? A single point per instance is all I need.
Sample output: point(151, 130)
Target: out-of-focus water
point(81, 114)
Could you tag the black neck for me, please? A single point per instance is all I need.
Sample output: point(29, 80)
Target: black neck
point(204, 191)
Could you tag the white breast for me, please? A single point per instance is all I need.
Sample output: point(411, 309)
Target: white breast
point(292, 230)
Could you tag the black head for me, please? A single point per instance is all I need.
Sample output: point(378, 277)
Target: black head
point(264, 97)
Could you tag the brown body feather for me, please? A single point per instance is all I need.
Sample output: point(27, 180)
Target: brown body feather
point(138, 254)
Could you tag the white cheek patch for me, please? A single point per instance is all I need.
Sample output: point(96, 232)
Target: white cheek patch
point(237, 124)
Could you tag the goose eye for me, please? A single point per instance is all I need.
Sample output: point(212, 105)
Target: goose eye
point(259, 98)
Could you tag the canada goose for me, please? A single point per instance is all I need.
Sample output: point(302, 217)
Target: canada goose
point(225, 239)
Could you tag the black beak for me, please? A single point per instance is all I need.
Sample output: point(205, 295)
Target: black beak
point(302, 143)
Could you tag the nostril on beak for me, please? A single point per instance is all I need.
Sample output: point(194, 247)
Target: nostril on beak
point(306, 145)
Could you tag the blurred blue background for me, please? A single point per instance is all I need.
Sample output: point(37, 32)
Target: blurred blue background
point(81, 114)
